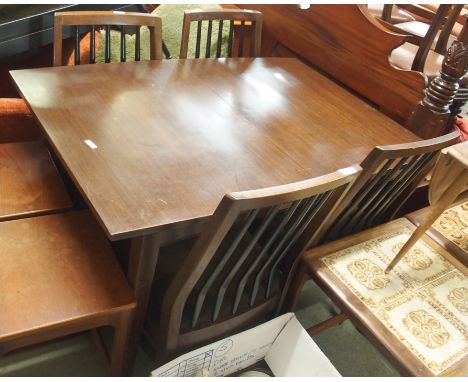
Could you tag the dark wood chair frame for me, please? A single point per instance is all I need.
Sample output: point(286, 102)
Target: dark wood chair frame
point(119, 317)
point(119, 320)
point(235, 17)
point(107, 18)
point(390, 175)
point(306, 205)
point(443, 21)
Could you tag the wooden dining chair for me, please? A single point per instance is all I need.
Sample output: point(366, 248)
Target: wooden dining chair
point(59, 277)
point(30, 182)
point(245, 31)
point(442, 71)
point(390, 175)
point(127, 22)
point(449, 180)
point(238, 270)
point(437, 35)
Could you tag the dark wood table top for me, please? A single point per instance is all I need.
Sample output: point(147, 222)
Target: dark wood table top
point(174, 136)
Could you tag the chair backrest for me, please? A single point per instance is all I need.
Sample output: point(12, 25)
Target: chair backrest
point(93, 19)
point(241, 265)
point(390, 175)
point(443, 21)
point(242, 23)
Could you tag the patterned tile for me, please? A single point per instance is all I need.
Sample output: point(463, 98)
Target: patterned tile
point(420, 266)
point(423, 301)
point(451, 293)
point(453, 224)
point(427, 329)
point(361, 268)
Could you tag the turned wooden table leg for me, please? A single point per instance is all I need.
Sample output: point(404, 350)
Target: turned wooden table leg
point(141, 270)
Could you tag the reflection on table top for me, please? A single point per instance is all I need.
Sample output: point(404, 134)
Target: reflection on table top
point(153, 144)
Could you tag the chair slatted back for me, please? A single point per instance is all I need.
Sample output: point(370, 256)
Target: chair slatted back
point(127, 22)
point(390, 175)
point(244, 258)
point(443, 21)
point(244, 26)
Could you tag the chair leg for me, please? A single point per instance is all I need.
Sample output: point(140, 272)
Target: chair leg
point(119, 346)
point(300, 278)
point(324, 325)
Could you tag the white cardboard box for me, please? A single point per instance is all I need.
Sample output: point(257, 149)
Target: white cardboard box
point(282, 342)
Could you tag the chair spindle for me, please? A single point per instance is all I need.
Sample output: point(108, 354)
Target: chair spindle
point(208, 39)
point(240, 53)
point(92, 48)
point(413, 170)
point(137, 43)
point(123, 53)
point(220, 39)
point(197, 46)
point(77, 45)
point(230, 38)
point(107, 55)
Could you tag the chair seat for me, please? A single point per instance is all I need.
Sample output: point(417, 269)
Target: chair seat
point(403, 56)
point(56, 269)
point(16, 121)
point(418, 28)
point(417, 313)
point(450, 230)
point(30, 183)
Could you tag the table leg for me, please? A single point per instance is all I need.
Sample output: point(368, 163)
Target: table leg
point(141, 270)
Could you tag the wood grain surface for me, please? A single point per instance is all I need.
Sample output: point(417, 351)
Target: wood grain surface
point(172, 137)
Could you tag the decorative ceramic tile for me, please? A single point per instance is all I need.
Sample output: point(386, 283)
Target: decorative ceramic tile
point(428, 330)
point(362, 266)
point(453, 224)
point(450, 292)
point(423, 301)
point(421, 265)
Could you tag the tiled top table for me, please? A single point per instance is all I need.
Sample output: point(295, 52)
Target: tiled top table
point(417, 314)
point(450, 230)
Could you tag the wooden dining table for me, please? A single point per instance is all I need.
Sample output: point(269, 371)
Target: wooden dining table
point(153, 146)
